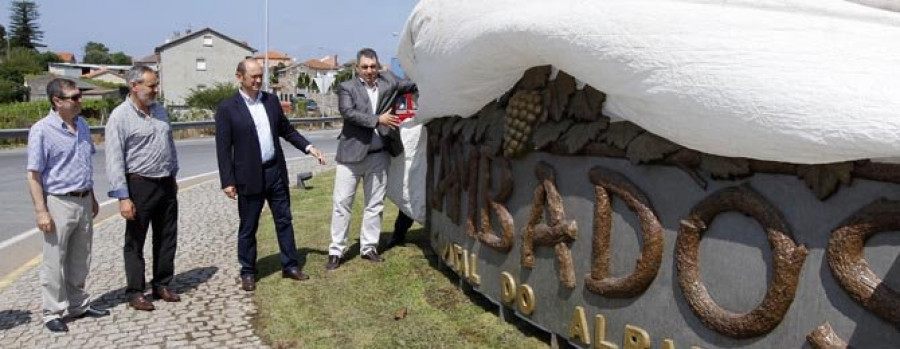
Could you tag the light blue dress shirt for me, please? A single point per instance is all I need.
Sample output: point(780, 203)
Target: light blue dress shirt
point(63, 158)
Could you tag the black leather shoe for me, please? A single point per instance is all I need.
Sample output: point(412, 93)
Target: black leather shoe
point(396, 240)
point(56, 325)
point(333, 262)
point(248, 282)
point(373, 256)
point(294, 273)
point(93, 312)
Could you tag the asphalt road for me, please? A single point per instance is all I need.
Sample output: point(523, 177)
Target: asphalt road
point(195, 157)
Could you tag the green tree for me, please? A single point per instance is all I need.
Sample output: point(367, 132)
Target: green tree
point(2, 39)
point(23, 27)
point(46, 58)
point(120, 58)
point(11, 91)
point(96, 53)
point(209, 98)
point(303, 80)
point(343, 75)
point(279, 67)
point(22, 61)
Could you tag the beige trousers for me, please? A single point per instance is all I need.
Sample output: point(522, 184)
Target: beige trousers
point(67, 256)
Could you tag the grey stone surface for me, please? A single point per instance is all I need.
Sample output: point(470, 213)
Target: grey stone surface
point(214, 312)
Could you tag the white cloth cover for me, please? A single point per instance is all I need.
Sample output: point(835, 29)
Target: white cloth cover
point(802, 81)
point(406, 173)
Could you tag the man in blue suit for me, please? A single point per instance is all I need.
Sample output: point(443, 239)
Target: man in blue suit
point(252, 168)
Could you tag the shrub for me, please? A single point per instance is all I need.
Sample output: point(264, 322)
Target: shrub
point(209, 98)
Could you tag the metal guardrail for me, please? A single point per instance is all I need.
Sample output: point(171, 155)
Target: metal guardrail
point(22, 133)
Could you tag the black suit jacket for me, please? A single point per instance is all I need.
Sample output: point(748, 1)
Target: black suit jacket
point(237, 144)
point(360, 119)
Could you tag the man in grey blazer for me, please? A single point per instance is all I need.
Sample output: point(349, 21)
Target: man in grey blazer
point(369, 136)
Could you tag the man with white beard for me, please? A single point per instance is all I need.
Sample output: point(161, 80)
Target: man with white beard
point(141, 165)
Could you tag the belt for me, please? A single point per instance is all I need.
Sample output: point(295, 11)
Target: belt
point(375, 151)
point(77, 194)
point(137, 177)
point(269, 163)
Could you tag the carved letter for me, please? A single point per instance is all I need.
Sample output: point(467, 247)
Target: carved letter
point(504, 242)
point(635, 338)
point(578, 328)
point(648, 263)
point(788, 260)
point(825, 338)
point(526, 299)
point(473, 277)
point(848, 263)
point(507, 287)
point(558, 233)
point(600, 332)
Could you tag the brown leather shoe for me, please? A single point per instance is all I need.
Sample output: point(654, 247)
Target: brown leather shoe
point(139, 302)
point(248, 283)
point(166, 294)
point(294, 273)
point(373, 256)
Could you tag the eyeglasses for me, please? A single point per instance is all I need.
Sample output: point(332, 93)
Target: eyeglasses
point(366, 67)
point(75, 97)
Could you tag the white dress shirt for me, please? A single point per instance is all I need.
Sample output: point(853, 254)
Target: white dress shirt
point(372, 91)
point(261, 121)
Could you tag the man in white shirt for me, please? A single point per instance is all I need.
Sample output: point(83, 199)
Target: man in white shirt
point(252, 168)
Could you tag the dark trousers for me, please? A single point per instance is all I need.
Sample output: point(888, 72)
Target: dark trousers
point(275, 191)
point(156, 203)
point(402, 224)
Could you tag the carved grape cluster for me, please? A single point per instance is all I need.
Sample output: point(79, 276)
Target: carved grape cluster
point(524, 111)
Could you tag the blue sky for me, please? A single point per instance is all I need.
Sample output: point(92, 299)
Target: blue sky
point(301, 28)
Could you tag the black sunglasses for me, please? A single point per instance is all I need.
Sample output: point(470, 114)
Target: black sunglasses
point(75, 97)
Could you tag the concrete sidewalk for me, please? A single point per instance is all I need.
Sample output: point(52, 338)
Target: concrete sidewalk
point(213, 313)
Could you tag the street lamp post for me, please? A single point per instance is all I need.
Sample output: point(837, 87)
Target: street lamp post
point(266, 53)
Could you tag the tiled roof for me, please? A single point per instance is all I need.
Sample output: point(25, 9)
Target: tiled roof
point(66, 56)
point(273, 55)
point(97, 73)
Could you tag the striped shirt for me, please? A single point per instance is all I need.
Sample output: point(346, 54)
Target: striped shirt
point(63, 158)
point(137, 143)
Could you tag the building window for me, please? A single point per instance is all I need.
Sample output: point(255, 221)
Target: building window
point(201, 87)
point(201, 64)
point(207, 40)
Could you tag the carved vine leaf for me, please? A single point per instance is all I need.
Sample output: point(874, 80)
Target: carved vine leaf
point(595, 99)
point(485, 117)
point(825, 179)
point(649, 147)
point(557, 94)
point(549, 132)
point(468, 128)
point(447, 125)
point(725, 168)
point(586, 104)
point(493, 133)
point(620, 134)
point(582, 133)
point(458, 125)
point(535, 78)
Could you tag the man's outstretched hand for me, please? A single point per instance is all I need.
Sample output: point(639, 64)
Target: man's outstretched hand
point(316, 153)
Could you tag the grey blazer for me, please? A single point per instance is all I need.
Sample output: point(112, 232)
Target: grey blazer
point(360, 119)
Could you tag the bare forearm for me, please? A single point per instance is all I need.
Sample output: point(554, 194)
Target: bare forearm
point(37, 192)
